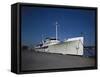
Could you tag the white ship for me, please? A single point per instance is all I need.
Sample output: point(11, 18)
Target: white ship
point(73, 46)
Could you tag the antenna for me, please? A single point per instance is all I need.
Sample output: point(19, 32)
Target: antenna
point(56, 30)
point(42, 39)
point(81, 33)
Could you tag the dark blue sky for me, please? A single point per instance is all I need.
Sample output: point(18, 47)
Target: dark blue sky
point(40, 21)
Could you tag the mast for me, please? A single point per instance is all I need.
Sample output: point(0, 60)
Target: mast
point(42, 40)
point(56, 31)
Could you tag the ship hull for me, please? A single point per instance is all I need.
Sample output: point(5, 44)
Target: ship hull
point(69, 47)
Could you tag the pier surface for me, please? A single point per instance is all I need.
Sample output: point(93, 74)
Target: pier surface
point(38, 61)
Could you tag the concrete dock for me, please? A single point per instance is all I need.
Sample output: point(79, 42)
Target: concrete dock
point(38, 61)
